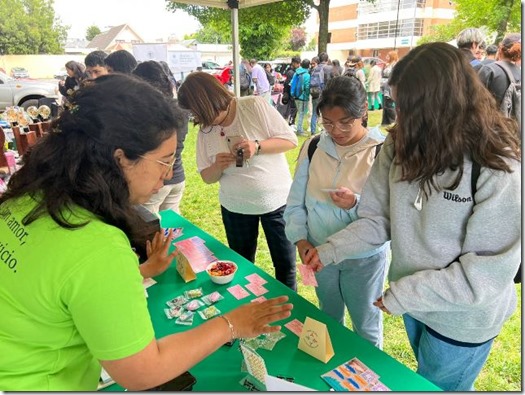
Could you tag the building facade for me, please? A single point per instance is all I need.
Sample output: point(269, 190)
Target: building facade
point(374, 28)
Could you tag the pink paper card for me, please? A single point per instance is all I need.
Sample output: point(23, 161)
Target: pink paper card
point(308, 275)
point(295, 326)
point(256, 289)
point(238, 292)
point(259, 299)
point(255, 279)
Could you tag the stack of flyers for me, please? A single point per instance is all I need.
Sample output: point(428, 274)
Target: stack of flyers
point(354, 375)
point(197, 254)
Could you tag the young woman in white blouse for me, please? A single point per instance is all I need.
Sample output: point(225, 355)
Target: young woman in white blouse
point(241, 145)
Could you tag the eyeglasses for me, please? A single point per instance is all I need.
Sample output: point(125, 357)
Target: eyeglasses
point(168, 165)
point(344, 127)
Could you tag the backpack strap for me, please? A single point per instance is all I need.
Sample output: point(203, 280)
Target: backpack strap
point(313, 146)
point(474, 175)
point(378, 148)
point(507, 71)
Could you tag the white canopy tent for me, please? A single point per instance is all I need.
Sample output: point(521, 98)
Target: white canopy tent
point(234, 6)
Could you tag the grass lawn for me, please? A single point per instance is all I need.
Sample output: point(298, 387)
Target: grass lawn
point(200, 205)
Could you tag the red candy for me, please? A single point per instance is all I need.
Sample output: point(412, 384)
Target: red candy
point(222, 269)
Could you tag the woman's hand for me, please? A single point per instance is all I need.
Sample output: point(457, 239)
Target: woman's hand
point(223, 160)
point(249, 148)
point(303, 246)
point(252, 319)
point(157, 252)
point(344, 198)
point(312, 259)
point(379, 303)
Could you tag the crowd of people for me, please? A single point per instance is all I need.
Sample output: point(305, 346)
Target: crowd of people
point(442, 191)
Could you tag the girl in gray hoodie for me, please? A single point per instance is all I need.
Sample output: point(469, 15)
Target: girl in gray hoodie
point(454, 252)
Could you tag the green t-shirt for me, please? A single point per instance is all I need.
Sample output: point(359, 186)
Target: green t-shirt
point(68, 298)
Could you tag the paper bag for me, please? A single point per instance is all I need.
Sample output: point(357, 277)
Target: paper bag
point(315, 340)
point(184, 268)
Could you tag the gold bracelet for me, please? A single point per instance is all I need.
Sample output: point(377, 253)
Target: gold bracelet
point(229, 326)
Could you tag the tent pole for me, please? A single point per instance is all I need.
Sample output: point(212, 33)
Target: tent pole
point(236, 55)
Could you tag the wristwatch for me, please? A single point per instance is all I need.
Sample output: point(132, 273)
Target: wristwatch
point(258, 147)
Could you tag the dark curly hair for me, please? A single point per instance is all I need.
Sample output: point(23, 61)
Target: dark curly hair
point(74, 165)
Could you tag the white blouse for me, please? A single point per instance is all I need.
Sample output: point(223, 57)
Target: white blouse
point(262, 185)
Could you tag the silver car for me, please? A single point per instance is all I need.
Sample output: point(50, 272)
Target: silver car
point(24, 93)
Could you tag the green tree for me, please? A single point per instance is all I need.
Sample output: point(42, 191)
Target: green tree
point(497, 16)
point(261, 29)
point(92, 31)
point(30, 27)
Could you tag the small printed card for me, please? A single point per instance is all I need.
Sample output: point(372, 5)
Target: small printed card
point(256, 289)
point(354, 375)
point(238, 292)
point(308, 275)
point(295, 326)
point(255, 279)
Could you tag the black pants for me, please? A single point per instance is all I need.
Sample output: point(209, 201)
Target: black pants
point(389, 111)
point(242, 231)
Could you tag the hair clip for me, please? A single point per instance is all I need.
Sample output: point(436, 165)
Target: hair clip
point(73, 109)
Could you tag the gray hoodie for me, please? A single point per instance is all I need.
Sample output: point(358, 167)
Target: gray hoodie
point(453, 262)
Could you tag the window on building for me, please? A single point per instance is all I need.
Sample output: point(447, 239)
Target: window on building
point(392, 28)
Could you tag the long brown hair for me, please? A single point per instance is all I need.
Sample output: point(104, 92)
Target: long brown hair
point(444, 114)
point(204, 96)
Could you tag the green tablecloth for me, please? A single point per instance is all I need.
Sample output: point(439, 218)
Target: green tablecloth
point(221, 371)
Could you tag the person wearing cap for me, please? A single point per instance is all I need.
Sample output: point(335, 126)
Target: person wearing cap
point(354, 67)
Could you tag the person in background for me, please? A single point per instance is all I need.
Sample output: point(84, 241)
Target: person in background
point(169, 196)
point(374, 85)
point(456, 247)
point(290, 71)
point(389, 110)
point(326, 65)
point(245, 78)
point(342, 161)
point(302, 101)
point(241, 144)
point(76, 74)
point(493, 75)
point(337, 69)
point(170, 75)
point(491, 52)
point(73, 300)
point(120, 61)
point(95, 66)
point(316, 81)
point(262, 85)
point(354, 68)
point(270, 75)
point(469, 42)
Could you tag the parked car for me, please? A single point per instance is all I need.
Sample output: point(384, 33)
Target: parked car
point(211, 67)
point(19, 72)
point(24, 93)
point(61, 75)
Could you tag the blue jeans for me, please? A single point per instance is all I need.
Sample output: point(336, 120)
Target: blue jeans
point(449, 366)
point(302, 109)
point(242, 231)
point(356, 284)
point(313, 120)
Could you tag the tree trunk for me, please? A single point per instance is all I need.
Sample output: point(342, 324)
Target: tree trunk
point(502, 25)
point(323, 9)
